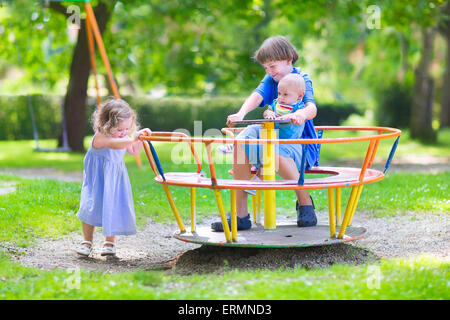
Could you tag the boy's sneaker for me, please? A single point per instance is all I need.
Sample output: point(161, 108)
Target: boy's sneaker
point(225, 148)
point(306, 216)
point(242, 223)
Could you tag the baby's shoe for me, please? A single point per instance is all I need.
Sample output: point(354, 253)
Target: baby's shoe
point(242, 223)
point(306, 215)
point(225, 148)
point(253, 192)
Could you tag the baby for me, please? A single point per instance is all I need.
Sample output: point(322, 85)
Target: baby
point(291, 90)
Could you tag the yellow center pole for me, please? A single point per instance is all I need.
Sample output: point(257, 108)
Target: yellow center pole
point(254, 208)
point(258, 206)
point(175, 211)
point(193, 209)
point(348, 212)
point(233, 215)
point(268, 132)
point(331, 212)
point(355, 204)
point(338, 206)
point(223, 217)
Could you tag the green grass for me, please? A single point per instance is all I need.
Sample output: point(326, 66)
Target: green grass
point(427, 278)
point(47, 208)
point(38, 208)
point(20, 154)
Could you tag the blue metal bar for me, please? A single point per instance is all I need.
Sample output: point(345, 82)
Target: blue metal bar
point(155, 157)
point(391, 154)
point(301, 180)
point(319, 136)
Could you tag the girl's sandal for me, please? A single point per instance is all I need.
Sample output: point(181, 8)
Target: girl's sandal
point(108, 251)
point(83, 250)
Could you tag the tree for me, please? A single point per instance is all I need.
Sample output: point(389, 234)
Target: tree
point(407, 18)
point(197, 47)
point(32, 40)
point(76, 94)
point(444, 29)
point(422, 107)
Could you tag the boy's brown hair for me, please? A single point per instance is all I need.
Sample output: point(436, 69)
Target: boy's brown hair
point(276, 48)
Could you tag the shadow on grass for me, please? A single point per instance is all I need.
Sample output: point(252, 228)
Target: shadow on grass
point(213, 259)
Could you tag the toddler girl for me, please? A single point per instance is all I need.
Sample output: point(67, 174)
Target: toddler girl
point(106, 197)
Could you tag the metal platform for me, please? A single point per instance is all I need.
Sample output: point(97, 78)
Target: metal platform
point(284, 236)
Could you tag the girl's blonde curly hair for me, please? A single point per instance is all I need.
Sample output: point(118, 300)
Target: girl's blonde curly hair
point(110, 113)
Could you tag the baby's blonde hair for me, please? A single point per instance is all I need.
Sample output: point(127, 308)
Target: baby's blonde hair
point(110, 113)
point(276, 48)
point(295, 80)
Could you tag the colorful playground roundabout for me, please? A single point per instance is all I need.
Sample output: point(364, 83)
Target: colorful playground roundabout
point(269, 233)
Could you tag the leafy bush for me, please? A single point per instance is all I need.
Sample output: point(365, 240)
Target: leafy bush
point(15, 119)
point(333, 114)
point(394, 105)
point(162, 114)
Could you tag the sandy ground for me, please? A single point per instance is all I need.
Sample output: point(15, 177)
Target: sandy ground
point(154, 247)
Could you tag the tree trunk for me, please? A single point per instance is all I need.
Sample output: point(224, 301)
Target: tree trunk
point(445, 104)
point(76, 95)
point(422, 106)
point(404, 57)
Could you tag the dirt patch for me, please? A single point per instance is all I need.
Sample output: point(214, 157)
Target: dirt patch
point(390, 237)
point(44, 173)
point(154, 248)
point(207, 259)
point(151, 248)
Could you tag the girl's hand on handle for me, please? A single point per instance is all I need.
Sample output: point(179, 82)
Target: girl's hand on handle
point(137, 144)
point(145, 132)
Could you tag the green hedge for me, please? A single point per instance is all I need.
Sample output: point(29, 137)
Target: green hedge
point(333, 114)
point(164, 114)
point(394, 105)
point(15, 119)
